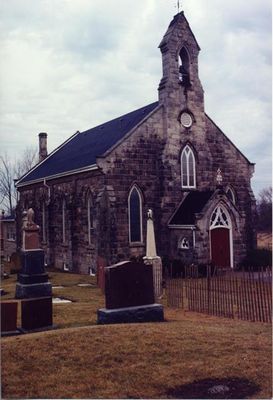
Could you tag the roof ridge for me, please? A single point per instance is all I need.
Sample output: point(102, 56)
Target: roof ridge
point(119, 117)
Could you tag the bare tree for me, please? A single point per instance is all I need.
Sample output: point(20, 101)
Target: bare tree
point(28, 159)
point(9, 171)
point(7, 191)
point(264, 209)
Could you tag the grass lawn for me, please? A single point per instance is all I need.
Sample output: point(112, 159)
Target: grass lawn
point(180, 358)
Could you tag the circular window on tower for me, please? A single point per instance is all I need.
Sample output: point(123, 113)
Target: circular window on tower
point(186, 120)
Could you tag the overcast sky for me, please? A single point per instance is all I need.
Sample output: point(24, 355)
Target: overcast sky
point(68, 65)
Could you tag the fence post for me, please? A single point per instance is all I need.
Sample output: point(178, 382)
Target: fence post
point(208, 287)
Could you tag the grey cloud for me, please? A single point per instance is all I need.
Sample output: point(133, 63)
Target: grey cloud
point(70, 65)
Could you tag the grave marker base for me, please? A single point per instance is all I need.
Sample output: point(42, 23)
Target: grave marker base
point(29, 291)
point(145, 313)
point(44, 328)
point(11, 333)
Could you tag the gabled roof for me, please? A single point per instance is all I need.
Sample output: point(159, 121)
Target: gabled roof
point(81, 150)
point(191, 205)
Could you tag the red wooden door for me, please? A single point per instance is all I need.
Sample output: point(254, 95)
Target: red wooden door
point(220, 247)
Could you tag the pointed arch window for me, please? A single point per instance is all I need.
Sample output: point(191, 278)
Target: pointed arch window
point(220, 218)
point(90, 223)
point(63, 221)
point(188, 169)
point(184, 67)
point(135, 215)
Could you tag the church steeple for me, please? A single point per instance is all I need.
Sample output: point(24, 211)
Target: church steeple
point(180, 80)
point(182, 97)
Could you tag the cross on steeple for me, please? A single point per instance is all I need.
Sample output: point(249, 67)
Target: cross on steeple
point(178, 6)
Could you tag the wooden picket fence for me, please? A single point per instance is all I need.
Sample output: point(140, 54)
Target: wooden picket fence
point(246, 295)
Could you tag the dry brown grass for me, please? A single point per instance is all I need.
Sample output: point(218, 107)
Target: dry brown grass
point(151, 360)
point(85, 300)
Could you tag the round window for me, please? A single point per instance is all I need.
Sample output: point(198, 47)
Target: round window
point(186, 119)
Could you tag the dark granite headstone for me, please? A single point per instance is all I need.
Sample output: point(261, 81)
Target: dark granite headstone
point(9, 317)
point(32, 279)
point(128, 284)
point(32, 267)
point(129, 295)
point(32, 262)
point(36, 313)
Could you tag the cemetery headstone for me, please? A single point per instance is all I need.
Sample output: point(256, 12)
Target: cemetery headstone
point(9, 318)
point(129, 295)
point(36, 314)
point(32, 278)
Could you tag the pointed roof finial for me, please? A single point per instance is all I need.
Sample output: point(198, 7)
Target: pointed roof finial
point(178, 6)
point(219, 177)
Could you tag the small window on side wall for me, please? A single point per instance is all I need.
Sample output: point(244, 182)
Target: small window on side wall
point(184, 244)
point(63, 221)
point(135, 215)
point(188, 169)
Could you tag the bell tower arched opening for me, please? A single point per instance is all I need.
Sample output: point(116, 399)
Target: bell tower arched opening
point(184, 67)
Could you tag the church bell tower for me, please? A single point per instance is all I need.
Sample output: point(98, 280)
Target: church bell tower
point(185, 123)
point(180, 88)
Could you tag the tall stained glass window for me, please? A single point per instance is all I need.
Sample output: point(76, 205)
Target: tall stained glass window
point(135, 215)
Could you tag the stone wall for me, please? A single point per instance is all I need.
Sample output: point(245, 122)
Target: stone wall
point(136, 161)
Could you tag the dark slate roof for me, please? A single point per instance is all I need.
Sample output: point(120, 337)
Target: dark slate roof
point(84, 147)
point(193, 203)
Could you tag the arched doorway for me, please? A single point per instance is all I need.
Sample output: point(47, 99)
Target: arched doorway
point(221, 238)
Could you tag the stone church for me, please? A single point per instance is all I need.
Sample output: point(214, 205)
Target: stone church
point(91, 195)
